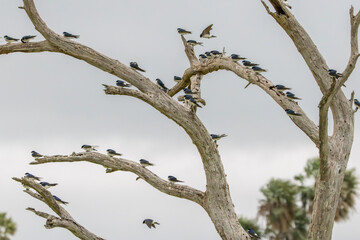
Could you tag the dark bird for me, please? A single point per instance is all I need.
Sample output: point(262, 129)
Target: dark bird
point(188, 91)
point(249, 64)
point(194, 43)
point(122, 84)
point(36, 155)
point(334, 73)
point(192, 101)
point(215, 53)
point(150, 223)
point(182, 31)
point(135, 66)
point(258, 69)
point(217, 137)
point(291, 112)
point(59, 200)
point(252, 233)
point(145, 163)
point(27, 38)
point(292, 96)
point(206, 32)
point(357, 103)
point(236, 57)
point(208, 54)
point(202, 57)
point(69, 35)
point(112, 153)
point(161, 84)
point(280, 88)
point(29, 175)
point(10, 39)
point(177, 79)
point(47, 185)
point(89, 148)
point(173, 179)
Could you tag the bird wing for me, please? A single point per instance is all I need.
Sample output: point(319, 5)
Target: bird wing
point(148, 223)
point(207, 30)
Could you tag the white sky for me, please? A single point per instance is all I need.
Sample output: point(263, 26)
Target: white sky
point(53, 104)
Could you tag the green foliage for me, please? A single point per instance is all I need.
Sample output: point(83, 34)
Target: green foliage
point(7, 227)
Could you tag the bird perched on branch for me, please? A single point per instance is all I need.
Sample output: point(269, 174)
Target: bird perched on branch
point(135, 66)
point(194, 43)
point(89, 148)
point(202, 57)
point(10, 39)
point(291, 112)
point(59, 200)
point(280, 87)
point(173, 179)
point(236, 57)
point(112, 153)
point(145, 163)
point(47, 185)
point(252, 233)
point(357, 103)
point(69, 35)
point(182, 31)
point(161, 85)
point(206, 32)
point(150, 223)
point(27, 38)
point(334, 73)
point(188, 91)
point(29, 175)
point(191, 101)
point(258, 69)
point(36, 155)
point(177, 79)
point(249, 64)
point(292, 96)
point(122, 84)
point(215, 53)
point(217, 137)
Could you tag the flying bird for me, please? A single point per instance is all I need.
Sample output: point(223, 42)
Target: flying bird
point(10, 39)
point(69, 35)
point(122, 84)
point(177, 79)
point(150, 223)
point(161, 84)
point(217, 137)
point(182, 31)
point(292, 96)
point(36, 155)
point(258, 69)
point(252, 233)
point(29, 175)
point(194, 43)
point(206, 32)
point(47, 185)
point(145, 163)
point(89, 148)
point(59, 200)
point(334, 73)
point(236, 57)
point(112, 153)
point(357, 103)
point(280, 88)
point(173, 179)
point(291, 112)
point(249, 64)
point(135, 66)
point(27, 38)
point(192, 101)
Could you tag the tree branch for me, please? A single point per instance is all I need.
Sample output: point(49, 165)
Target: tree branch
point(30, 47)
point(65, 220)
point(121, 164)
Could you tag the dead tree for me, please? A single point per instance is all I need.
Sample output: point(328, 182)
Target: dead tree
point(216, 200)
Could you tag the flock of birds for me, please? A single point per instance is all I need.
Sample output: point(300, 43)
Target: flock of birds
point(111, 153)
point(189, 97)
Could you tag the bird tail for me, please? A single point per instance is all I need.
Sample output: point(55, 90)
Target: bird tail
point(52, 184)
point(223, 135)
point(65, 203)
point(200, 43)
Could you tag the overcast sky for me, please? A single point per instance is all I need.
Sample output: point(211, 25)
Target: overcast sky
point(53, 104)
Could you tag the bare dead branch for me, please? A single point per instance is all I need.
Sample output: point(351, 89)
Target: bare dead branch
point(30, 47)
point(121, 164)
